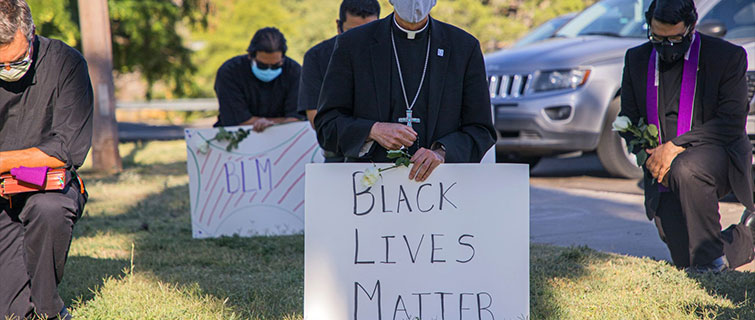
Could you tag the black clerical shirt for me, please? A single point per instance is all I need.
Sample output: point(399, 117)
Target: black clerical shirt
point(241, 95)
point(313, 72)
point(51, 107)
point(357, 92)
point(668, 94)
point(411, 54)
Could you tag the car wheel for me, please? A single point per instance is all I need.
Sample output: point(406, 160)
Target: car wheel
point(612, 149)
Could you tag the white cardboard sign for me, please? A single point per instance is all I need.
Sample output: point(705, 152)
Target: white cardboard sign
point(453, 247)
point(257, 189)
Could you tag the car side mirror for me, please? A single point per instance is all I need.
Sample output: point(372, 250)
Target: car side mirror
point(712, 27)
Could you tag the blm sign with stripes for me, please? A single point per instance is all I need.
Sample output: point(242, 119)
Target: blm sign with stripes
point(256, 189)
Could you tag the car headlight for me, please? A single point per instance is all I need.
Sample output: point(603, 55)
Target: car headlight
point(560, 79)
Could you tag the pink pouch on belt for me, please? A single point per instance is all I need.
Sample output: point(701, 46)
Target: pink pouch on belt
point(35, 176)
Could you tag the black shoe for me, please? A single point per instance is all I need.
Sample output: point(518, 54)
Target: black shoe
point(64, 315)
point(716, 266)
point(748, 219)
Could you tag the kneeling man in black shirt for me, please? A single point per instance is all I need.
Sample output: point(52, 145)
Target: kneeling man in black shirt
point(45, 121)
point(261, 87)
point(693, 88)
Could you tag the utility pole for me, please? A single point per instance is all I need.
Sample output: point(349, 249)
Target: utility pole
point(94, 22)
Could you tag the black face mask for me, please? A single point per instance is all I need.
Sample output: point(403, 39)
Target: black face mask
point(669, 53)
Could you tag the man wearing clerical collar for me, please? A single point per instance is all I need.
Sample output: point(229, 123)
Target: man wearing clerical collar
point(406, 81)
point(693, 88)
point(46, 105)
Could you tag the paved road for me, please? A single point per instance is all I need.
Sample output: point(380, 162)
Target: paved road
point(575, 202)
point(130, 131)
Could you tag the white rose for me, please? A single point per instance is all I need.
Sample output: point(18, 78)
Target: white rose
point(370, 177)
point(621, 124)
point(203, 147)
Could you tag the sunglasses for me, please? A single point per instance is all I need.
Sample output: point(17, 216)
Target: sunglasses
point(22, 63)
point(265, 66)
point(670, 40)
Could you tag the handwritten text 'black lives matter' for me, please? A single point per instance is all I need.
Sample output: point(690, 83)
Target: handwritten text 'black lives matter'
point(419, 248)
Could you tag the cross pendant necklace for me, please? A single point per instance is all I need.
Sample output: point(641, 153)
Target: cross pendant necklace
point(409, 120)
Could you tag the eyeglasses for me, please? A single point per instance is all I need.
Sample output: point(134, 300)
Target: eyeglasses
point(670, 40)
point(22, 63)
point(265, 66)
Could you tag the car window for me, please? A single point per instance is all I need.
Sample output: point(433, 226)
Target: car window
point(617, 18)
point(738, 16)
point(543, 31)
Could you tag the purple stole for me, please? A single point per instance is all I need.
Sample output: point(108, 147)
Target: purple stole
point(686, 98)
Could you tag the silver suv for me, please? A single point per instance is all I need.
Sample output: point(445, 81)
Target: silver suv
point(559, 96)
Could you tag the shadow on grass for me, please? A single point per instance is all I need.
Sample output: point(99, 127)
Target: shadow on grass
point(262, 277)
point(177, 168)
point(84, 275)
point(737, 287)
point(129, 160)
point(548, 263)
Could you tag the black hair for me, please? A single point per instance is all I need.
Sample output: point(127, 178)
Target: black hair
point(267, 40)
point(672, 12)
point(360, 8)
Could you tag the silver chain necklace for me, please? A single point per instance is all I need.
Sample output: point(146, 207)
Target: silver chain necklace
point(401, 76)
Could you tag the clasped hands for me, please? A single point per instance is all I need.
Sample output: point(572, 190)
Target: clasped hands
point(260, 124)
point(660, 159)
point(394, 136)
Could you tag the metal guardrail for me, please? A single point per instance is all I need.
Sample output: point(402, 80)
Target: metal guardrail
point(170, 105)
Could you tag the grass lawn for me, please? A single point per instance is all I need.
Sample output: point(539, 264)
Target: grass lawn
point(176, 277)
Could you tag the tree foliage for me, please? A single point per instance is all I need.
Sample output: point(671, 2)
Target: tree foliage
point(153, 37)
point(147, 36)
point(57, 19)
point(495, 23)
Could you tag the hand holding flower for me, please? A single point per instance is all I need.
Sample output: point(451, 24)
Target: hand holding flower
point(659, 162)
point(645, 136)
point(373, 174)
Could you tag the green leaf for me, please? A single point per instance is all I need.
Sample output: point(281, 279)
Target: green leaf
point(403, 161)
point(233, 137)
point(653, 130)
point(642, 156)
point(646, 135)
point(394, 154)
point(223, 135)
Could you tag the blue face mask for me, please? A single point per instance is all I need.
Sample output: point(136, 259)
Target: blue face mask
point(265, 75)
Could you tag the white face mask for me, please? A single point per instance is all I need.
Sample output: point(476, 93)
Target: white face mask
point(413, 11)
point(17, 70)
point(14, 74)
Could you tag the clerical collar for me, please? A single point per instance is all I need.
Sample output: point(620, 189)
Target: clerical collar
point(411, 35)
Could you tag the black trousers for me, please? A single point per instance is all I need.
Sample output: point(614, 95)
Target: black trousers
point(35, 235)
point(688, 219)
